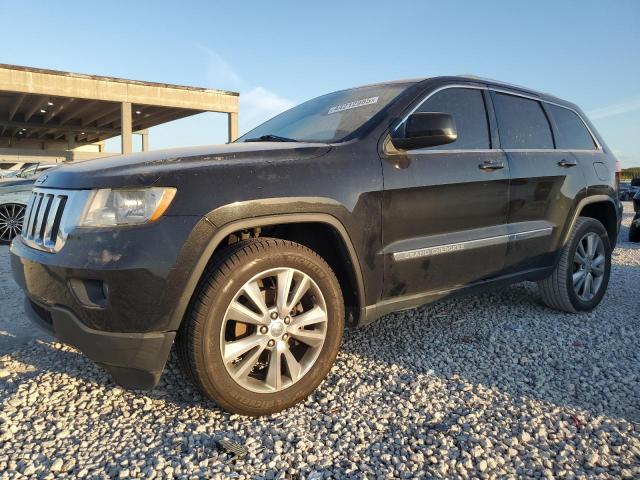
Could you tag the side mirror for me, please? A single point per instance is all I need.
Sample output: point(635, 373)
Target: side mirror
point(426, 129)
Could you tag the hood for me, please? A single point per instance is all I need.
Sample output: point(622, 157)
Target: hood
point(160, 166)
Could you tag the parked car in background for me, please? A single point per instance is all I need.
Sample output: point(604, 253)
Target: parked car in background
point(634, 229)
point(26, 172)
point(12, 169)
point(254, 255)
point(14, 195)
point(623, 191)
point(628, 190)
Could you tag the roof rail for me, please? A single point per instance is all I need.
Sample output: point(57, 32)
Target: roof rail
point(504, 84)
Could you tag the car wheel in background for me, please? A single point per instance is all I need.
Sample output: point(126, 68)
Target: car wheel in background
point(581, 276)
point(634, 229)
point(264, 327)
point(11, 217)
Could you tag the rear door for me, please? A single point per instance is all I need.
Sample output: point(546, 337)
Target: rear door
point(445, 207)
point(544, 184)
point(573, 136)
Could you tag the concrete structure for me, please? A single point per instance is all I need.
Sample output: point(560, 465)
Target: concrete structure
point(50, 115)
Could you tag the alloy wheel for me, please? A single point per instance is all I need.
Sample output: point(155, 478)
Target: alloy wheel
point(273, 330)
point(11, 217)
point(589, 262)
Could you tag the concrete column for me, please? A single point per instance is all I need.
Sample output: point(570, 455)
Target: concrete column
point(71, 144)
point(233, 126)
point(126, 129)
point(145, 141)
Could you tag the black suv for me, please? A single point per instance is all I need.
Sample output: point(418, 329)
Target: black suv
point(254, 255)
point(634, 228)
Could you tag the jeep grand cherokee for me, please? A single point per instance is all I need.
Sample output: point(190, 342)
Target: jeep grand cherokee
point(252, 256)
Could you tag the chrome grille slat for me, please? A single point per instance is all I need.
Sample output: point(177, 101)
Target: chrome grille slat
point(27, 213)
point(51, 214)
point(45, 205)
point(32, 226)
point(53, 211)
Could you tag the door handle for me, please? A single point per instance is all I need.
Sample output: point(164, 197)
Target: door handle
point(491, 166)
point(566, 163)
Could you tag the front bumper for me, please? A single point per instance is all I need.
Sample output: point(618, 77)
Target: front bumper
point(134, 360)
point(111, 294)
point(121, 280)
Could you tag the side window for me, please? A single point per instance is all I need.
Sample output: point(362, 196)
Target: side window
point(572, 134)
point(466, 106)
point(522, 123)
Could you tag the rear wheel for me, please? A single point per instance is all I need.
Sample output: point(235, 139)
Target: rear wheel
point(264, 328)
point(11, 218)
point(581, 276)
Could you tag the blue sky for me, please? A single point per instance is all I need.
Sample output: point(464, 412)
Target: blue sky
point(277, 54)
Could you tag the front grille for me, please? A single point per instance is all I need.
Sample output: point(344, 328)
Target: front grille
point(49, 215)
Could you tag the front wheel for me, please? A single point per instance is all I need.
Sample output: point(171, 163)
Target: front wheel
point(264, 328)
point(581, 276)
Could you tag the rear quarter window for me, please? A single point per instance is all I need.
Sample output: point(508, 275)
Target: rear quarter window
point(522, 123)
point(572, 133)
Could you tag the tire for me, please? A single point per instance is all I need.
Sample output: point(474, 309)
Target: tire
point(558, 290)
point(11, 218)
point(634, 230)
point(287, 361)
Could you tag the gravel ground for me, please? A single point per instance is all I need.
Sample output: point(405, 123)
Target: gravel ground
point(489, 386)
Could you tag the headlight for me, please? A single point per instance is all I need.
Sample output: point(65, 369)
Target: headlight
point(111, 207)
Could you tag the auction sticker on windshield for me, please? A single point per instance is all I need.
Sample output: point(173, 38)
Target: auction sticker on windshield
point(350, 105)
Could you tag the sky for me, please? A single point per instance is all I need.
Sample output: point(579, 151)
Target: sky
point(280, 53)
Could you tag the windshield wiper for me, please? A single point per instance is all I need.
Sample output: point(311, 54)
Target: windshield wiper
point(270, 138)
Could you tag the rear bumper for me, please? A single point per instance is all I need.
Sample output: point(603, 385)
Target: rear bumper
point(134, 360)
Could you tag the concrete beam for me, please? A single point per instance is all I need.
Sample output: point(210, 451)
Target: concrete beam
point(64, 128)
point(16, 106)
point(36, 103)
point(77, 113)
point(58, 109)
point(65, 84)
point(127, 141)
point(44, 133)
point(108, 118)
point(157, 119)
point(113, 109)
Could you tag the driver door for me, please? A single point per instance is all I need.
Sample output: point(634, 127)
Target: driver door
point(445, 207)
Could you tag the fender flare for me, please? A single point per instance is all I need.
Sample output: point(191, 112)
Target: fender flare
point(246, 223)
point(581, 204)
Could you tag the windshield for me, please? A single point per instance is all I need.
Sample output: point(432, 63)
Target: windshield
point(328, 118)
point(27, 172)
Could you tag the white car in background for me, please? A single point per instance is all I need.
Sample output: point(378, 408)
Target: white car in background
point(8, 170)
point(14, 195)
point(28, 171)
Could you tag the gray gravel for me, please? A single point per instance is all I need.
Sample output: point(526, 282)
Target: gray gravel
point(489, 386)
